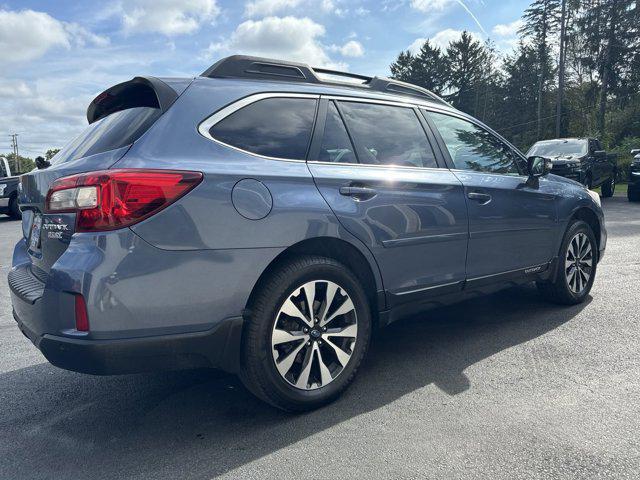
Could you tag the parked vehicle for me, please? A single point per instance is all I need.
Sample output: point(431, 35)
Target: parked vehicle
point(633, 190)
point(265, 217)
point(8, 191)
point(582, 160)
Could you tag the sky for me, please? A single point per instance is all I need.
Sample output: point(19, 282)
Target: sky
point(57, 55)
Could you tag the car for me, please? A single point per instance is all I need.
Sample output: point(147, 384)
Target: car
point(633, 190)
point(8, 191)
point(580, 159)
point(266, 217)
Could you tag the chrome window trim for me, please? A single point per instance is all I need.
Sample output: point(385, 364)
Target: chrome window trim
point(210, 121)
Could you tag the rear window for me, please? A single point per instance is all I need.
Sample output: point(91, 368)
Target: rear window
point(116, 130)
point(274, 127)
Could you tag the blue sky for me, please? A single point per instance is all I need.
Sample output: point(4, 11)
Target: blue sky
point(57, 55)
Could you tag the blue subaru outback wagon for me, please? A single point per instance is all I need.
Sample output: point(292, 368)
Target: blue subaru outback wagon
point(265, 217)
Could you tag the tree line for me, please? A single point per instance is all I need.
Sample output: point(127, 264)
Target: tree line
point(575, 72)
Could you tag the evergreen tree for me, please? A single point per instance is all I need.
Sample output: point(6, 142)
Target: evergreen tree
point(466, 60)
point(402, 68)
point(541, 21)
point(428, 69)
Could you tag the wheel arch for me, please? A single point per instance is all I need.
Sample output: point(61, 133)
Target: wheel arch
point(588, 216)
point(341, 251)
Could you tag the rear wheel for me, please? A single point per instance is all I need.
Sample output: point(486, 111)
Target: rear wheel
point(609, 187)
point(14, 210)
point(576, 270)
point(308, 331)
point(633, 195)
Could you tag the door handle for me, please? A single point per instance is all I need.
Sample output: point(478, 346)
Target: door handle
point(358, 193)
point(482, 198)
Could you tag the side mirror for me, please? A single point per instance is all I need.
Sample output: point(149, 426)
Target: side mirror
point(600, 154)
point(539, 166)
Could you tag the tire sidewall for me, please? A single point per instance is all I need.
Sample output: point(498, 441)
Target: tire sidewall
point(325, 271)
point(574, 229)
point(14, 210)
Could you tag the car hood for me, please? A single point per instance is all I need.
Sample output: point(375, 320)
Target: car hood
point(565, 160)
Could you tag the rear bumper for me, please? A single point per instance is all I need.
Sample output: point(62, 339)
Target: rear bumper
point(215, 348)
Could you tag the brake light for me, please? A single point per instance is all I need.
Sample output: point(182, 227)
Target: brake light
point(111, 199)
point(82, 320)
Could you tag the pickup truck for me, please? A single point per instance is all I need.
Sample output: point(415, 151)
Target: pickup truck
point(8, 191)
point(582, 160)
point(633, 192)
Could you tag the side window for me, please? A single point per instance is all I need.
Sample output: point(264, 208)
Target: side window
point(336, 145)
point(473, 148)
point(387, 135)
point(274, 127)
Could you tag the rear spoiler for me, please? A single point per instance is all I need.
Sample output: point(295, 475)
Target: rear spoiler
point(137, 92)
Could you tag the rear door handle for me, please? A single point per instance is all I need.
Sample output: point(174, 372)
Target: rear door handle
point(358, 193)
point(482, 198)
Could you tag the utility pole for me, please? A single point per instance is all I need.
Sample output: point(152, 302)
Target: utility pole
point(16, 153)
point(561, 66)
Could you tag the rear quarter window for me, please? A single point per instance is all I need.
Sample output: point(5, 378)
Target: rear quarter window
point(273, 127)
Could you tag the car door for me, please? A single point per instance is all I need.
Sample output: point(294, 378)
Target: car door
point(512, 223)
point(381, 178)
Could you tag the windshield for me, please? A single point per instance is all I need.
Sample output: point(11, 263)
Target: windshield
point(559, 148)
point(113, 131)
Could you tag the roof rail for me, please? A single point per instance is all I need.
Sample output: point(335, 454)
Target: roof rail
point(241, 66)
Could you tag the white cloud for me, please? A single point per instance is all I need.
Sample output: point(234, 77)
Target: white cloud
point(261, 8)
point(430, 5)
point(349, 49)
point(508, 29)
point(13, 88)
point(169, 17)
point(444, 37)
point(289, 38)
point(415, 46)
point(27, 35)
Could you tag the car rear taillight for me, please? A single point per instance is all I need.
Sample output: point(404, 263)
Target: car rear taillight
point(82, 320)
point(110, 199)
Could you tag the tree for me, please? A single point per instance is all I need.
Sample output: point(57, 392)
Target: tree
point(26, 164)
point(611, 31)
point(541, 21)
point(402, 68)
point(465, 61)
point(428, 68)
point(51, 153)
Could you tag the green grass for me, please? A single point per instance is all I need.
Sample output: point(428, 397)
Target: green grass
point(621, 189)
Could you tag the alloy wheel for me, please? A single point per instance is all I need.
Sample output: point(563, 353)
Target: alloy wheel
point(578, 265)
point(314, 334)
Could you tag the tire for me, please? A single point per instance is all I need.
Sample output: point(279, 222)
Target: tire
point(564, 288)
point(268, 370)
point(14, 210)
point(609, 187)
point(588, 182)
point(633, 195)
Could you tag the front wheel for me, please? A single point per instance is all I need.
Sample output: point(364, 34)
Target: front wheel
point(609, 187)
point(633, 195)
point(576, 270)
point(307, 333)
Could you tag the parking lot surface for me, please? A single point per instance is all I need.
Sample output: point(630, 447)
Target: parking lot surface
point(505, 386)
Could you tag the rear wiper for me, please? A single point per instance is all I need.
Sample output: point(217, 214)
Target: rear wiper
point(41, 163)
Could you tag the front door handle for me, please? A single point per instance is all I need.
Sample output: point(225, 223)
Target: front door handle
point(482, 198)
point(358, 193)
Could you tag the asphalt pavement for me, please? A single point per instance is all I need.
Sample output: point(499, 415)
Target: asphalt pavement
point(500, 387)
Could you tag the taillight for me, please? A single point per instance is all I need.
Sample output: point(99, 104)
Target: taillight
point(110, 199)
point(82, 320)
